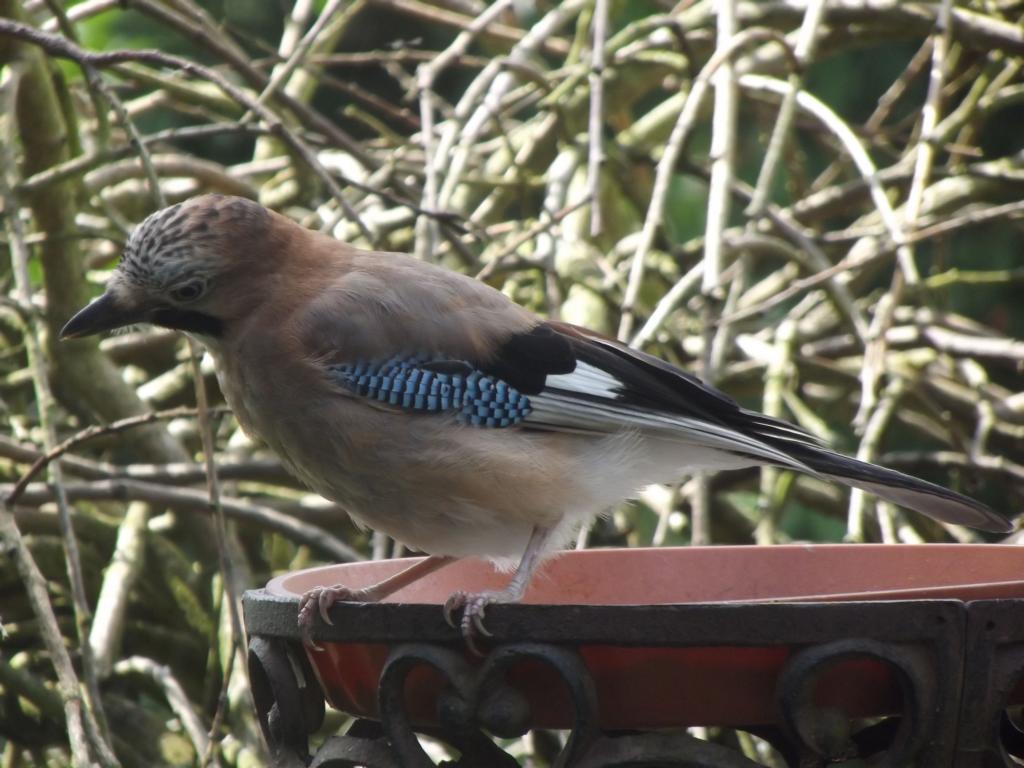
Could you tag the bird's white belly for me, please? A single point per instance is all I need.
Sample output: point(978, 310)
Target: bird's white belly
point(484, 492)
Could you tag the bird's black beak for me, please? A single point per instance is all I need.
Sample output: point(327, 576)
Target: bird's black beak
point(102, 314)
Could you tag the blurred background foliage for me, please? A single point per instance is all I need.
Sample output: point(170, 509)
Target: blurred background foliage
point(891, 334)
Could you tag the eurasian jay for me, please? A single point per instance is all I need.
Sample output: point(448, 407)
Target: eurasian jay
point(432, 407)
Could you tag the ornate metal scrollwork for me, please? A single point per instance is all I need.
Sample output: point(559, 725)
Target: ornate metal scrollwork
point(287, 698)
point(951, 672)
point(477, 703)
point(825, 733)
point(364, 745)
point(480, 699)
point(990, 732)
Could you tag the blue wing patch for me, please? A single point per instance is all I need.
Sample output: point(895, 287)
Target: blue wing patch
point(430, 386)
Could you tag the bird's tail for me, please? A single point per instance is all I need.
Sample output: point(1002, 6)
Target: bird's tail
point(920, 495)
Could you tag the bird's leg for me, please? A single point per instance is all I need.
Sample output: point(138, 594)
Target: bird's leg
point(320, 599)
point(474, 605)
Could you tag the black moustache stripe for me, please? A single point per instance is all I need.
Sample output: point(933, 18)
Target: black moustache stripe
point(187, 320)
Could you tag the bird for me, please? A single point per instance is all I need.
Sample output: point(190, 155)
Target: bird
point(432, 407)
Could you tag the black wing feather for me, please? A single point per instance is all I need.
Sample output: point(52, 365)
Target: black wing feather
point(646, 382)
point(527, 359)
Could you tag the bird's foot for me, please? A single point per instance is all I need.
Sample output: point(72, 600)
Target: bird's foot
point(319, 601)
point(473, 606)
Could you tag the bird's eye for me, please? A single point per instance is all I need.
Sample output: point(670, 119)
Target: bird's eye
point(187, 292)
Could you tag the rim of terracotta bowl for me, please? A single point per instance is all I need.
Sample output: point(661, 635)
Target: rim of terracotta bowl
point(718, 574)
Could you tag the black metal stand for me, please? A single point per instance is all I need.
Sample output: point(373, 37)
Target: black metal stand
point(956, 665)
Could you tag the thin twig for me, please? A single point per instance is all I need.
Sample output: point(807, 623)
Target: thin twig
point(175, 694)
point(995, 464)
point(284, 71)
point(57, 46)
point(777, 377)
point(119, 578)
point(500, 259)
point(874, 355)
point(86, 725)
point(679, 290)
point(666, 166)
point(197, 502)
point(482, 100)
point(426, 75)
point(967, 219)
point(436, 15)
point(804, 53)
point(134, 138)
point(826, 276)
point(847, 138)
point(596, 156)
point(75, 712)
point(86, 162)
point(220, 526)
point(868, 449)
point(722, 152)
point(90, 433)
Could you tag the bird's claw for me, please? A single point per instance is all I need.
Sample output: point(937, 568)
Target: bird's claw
point(451, 605)
point(474, 608)
point(319, 601)
point(306, 620)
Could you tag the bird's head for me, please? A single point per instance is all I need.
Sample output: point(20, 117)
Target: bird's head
point(180, 269)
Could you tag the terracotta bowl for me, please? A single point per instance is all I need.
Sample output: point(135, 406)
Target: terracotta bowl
point(644, 686)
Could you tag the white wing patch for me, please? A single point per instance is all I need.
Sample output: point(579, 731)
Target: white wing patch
point(590, 400)
point(587, 379)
